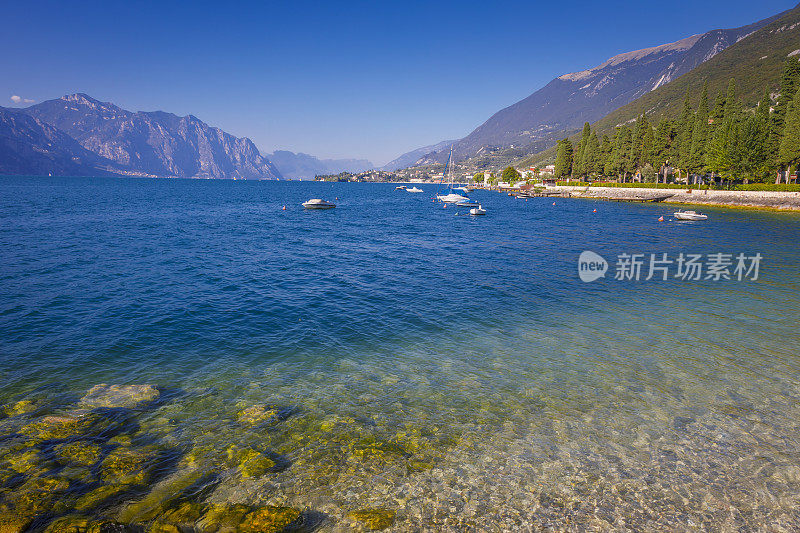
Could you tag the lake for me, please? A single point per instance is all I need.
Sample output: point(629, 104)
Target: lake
point(438, 370)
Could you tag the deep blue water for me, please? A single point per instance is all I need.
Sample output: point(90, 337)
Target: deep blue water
point(391, 307)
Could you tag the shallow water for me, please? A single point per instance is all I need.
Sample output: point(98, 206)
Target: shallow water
point(451, 369)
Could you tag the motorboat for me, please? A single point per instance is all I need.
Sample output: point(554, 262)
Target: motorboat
point(467, 203)
point(316, 203)
point(689, 215)
point(477, 210)
point(451, 198)
point(414, 189)
point(400, 188)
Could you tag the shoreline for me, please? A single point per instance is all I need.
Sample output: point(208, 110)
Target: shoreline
point(771, 200)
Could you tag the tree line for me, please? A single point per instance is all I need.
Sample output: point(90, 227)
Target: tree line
point(724, 140)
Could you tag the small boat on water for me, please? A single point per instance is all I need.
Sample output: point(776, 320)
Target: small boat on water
point(689, 215)
point(477, 210)
point(467, 203)
point(414, 189)
point(400, 188)
point(452, 198)
point(316, 203)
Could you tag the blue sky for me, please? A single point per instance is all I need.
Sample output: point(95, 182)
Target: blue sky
point(333, 79)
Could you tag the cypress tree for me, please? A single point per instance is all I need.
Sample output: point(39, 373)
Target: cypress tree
point(591, 156)
point(732, 105)
point(564, 159)
point(718, 113)
point(697, 150)
point(789, 153)
point(579, 165)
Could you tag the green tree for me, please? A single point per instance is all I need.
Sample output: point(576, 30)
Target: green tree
point(579, 166)
point(510, 175)
point(697, 149)
point(789, 153)
point(592, 156)
point(564, 153)
point(732, 105)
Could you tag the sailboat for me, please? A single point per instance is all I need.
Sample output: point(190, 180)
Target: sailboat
point(450, 196)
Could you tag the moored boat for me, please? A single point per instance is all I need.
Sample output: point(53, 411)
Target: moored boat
point(414, 189)
point(689, 215)
point(477, 210)
point(316, 203)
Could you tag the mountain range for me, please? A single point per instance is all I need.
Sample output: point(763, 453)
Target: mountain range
point(300, 165)
point(563, 105)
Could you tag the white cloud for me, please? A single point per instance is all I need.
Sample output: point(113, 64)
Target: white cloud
point(20, 100)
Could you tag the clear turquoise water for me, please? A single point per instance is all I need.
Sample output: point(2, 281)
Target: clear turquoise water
point(450, 368)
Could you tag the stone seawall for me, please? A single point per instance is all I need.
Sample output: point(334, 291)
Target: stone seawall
point(766, 199)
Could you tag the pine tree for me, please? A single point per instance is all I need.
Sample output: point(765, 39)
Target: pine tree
point(606, 149)
point(662, 144)
point(718, 112)
point(591, 156)
point(579, 166)
point(564, 159)
point(789, 153)
point(732, 106)
point(697, 149)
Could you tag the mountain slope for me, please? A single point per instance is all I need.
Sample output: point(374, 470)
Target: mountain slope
point(564, 104)
point(409, 158)
point(755, 62)
point(300, 165)
point(156, 143)
point(29, 146)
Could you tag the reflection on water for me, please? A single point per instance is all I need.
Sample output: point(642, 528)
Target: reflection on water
point(185, 355)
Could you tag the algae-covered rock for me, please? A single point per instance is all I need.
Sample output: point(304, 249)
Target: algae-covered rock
point(220, 518)
point(59, 427)
point(101, 496)
point(127, 466)
point(34, 498)
point(262, 414)
point(22, 461)
point(270, 519)
point(370, 449)
point(251, 463)
point(159, 526)
point(78, 453)
point(163, 495)
point(374, 519)
point(69, 524)
point(82, 524)
point(129, 396)
point(185, 514)
point(21, 407)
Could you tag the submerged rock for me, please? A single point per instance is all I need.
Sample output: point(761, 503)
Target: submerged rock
point(62, 427)
point(34, 498)
point(222, 518)
point(251, 463)
point(128, 466)
point(78, 453)
point(270, 519)
point(21, 407)
point(374, 519)
point(243, 519)
point(82, 524)
point(128, 396)
point(263, 414)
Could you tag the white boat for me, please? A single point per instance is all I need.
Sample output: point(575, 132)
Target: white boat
point(414, 189)
point(452, 198)
point(467, 203)
point(316, 203)
point(689, 215)
point(477, 210)
point(400, 188)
